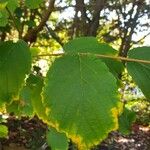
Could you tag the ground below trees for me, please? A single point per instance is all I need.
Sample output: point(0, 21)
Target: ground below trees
point(29, 134)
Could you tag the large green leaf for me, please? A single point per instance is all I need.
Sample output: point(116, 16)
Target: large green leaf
point(91, 45)
point(33, 4)
point(15, 62)
point(82, 98)
point(140, 72)
point(56, 140)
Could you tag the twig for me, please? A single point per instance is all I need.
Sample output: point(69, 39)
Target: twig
point(31, 34)
point(135, 42)
point(99, 56)
point(13, 19)
point(53, 34)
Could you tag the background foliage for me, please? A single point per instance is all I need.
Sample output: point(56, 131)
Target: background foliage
point(83, 96)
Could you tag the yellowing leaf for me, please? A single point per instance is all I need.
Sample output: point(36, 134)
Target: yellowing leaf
point(82, 98)
point(91, 45)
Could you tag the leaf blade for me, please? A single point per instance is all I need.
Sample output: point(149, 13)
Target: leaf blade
point(3, 131)
point(140, 72)
point(15, 63)
point(81, 92)
point(91, 45)
point(56, 140)
point(33, 4)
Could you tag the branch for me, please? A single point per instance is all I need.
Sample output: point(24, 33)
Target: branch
point(135, 42)
point(31, 35)
point(13, 19)
point(98, 56)
point(51, 32)
point(94, 24)
point(80, 6)
point(126, 40)
point(45, 15)
point(2, 36)
point(54, 35)
point(81, 24)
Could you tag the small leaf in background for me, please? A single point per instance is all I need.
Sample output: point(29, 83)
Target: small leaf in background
point(3, 18)
point(3, 131)
point(12, 5)
point(30, 100)
point(82, 98)
point(19, 12)
point(140, 72)
point(15, 63)
point(35, 82)
point(26, 102)
point(3, 4)
point(33, 4)
point(56, 140)
point(126, 120)
point(34, 51)
point(22, 106)
point(30, 23)
point(14, 107)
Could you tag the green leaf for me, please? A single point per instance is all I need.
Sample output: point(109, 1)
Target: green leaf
point(140, 72)
point(14, 107)
point(91, 45)
point(33, 4)
point(18, 12)
point(34, 51)
point(3, 18)
point(35, 83)
point(125, 121)
point(30, 101)
point(30, 23)
point(3, 131)
point(26, 107)
point(56, 140)
point(15, 63)
point(82, 98)
point(12, 5)
point(3, 5)
point(22, 106)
